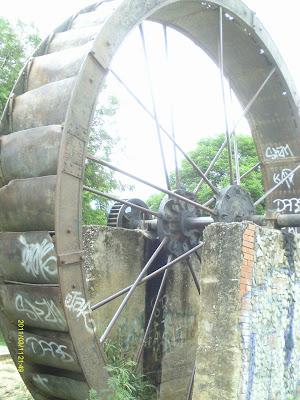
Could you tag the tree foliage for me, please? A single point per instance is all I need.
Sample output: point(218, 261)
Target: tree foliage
point(202, 155)
point(16, 44)
point(95, 208)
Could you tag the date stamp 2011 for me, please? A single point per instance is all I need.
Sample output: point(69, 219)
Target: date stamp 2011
point(20, 352)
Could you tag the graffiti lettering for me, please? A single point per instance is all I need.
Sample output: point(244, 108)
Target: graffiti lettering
point(36, 259)
point(287, 205)
point(42, 347)
point(279, 176)
point(76, 303)
point(293, 230)
point(40, 381)
point(275, 153)
point(42, 310)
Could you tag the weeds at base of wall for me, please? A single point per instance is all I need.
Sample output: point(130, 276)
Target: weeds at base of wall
point(125, 383)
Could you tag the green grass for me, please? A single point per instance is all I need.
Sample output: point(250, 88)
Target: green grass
point(125, 383)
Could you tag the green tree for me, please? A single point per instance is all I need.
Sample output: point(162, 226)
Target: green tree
point(202, 155)
point(16, 44)
point(95, 208)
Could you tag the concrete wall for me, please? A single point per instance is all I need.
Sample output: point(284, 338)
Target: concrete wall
point(113, 260)
point(249, 334)
point(243, 331)
point(179, 341)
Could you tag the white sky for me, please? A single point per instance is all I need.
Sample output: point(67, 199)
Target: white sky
point(281, 22)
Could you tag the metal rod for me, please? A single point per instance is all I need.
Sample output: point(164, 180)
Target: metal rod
point(147, 278)
point(250, 170)
point(162, 284)
point(235, 147)
point(169, 136)
point(169, 192)
point(111, 197)
point(221, 62)
point(194, 276)
point(191, 385)
point(171, 110)
point(132, 289)
point(270, 191)
point(244, 113)
point(210, 201)
point(157, 125)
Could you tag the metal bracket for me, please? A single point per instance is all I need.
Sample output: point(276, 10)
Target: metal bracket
point(11, 103)
point(70, 258)
point(97, 59)
point(27, 72)
point(49, 40)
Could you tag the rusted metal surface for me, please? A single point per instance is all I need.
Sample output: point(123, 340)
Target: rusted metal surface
point(61, 387)
point(38, 306)
point(28, 257)
point(31, 109)
point(58, 97)
point(52, 349)
point(56, 66)
point(30, 153)
point(28, 205)
point(72, 38)
point(24, 368)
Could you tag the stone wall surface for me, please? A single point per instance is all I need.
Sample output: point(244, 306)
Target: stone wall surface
point(113, 260)
point(249, 334)
point(243, 330)
point(180, 310)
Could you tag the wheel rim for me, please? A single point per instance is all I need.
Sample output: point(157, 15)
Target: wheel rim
point(272, 115)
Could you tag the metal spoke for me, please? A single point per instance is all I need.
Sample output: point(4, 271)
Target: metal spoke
point(221, 65)
point(194, 276)
point(210, 201)
point(169, 136)
point(244, 113)
point(161, 287)
point(270, 191)
point(172, 111)
point(147, 278)
point(235, 148)
point(132, 289)
point(191, 385)
point(250, 170)
point(157, 125)
point(169, 192)
point(127, 203)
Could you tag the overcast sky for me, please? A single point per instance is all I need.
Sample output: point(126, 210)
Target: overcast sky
point(280, 19)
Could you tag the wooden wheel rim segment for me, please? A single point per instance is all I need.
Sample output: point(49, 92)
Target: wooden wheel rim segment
point(53, 102)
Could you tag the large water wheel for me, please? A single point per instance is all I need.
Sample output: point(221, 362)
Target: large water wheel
point(44, 137)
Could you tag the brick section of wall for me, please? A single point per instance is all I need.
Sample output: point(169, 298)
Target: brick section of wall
point(248, 262)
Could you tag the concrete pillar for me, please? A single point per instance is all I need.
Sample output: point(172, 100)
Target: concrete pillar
point(249, 334)
point(113, 260)
point(180, 308)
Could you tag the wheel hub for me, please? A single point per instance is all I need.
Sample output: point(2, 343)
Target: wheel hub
point(234, 204)
point(174, 223)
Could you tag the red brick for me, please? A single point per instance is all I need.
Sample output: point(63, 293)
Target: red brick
point(246, 274)
point(248, 268)
point(249, 232)
point(248, 238)
point(246, 243)
point(252, 227)
point(247, 250)
point(246, 281)
point(244, 289)
point(249, 256)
